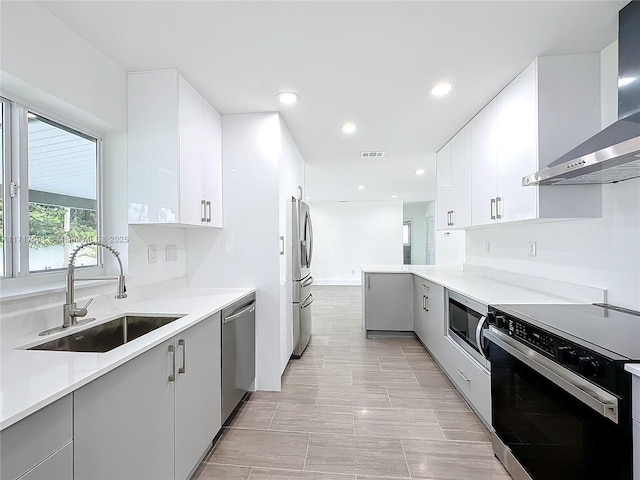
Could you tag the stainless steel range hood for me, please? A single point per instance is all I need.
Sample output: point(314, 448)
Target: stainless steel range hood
point(613, 155)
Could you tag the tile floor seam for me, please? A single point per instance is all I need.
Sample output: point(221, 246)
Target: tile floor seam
point(404, 454)
point(275, 410)
point(306, 453)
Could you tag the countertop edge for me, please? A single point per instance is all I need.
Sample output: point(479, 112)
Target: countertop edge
point(146, 343)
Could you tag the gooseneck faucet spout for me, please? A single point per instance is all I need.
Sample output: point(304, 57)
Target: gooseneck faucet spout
point(71, 312)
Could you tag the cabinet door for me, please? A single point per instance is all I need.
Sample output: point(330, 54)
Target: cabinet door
point(152, 109)
point(212, 165)
point(484, 166)
point(198, 386)
point(419, 317)
point(387, 302)
point(444, 187)
point(191, 115)
point(461, 178)
point(434, 327)
point(517, 142)
point(124, 421)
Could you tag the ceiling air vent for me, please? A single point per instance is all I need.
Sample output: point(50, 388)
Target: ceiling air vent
point(371, 154)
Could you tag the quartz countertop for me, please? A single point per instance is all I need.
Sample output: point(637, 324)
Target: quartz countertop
point(482, 289)
point(32, 379)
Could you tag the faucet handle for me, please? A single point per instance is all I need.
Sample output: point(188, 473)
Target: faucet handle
point(87, 304)
point(82, 312)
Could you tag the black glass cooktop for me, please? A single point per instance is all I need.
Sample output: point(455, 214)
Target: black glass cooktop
point(613, 330)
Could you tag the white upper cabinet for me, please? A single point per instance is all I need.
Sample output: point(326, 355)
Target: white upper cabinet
point(453, 181)
point(551, 107)
point(175, 153)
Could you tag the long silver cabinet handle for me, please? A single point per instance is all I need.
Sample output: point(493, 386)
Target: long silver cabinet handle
point(183, 368)
point(203, 211)
point(591, 395)
point(493, 205)
point(307, 282)
point(461, 373)
point(172, 351)
point(208, 211)
point(249, 308)
point(498, 200)
point(426, 303)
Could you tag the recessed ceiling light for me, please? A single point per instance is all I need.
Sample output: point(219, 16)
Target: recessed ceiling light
point(233, 169)
point(307, 198)
point(360, 187)
point(394, 196)
point(288, 97)
point(419, 172)
point(440, 89)
point(349, 128)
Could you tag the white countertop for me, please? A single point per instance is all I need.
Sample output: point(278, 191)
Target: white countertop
point(481, 289)
point(32, 379)
point(634, 368)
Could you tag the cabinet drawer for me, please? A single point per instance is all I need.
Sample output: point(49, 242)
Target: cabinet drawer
point(25, 444)
point(433, 289)
point(471, 380)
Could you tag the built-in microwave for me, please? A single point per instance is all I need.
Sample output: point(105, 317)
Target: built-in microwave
point(466, 321)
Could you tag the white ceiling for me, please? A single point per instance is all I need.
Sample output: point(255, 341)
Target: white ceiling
point(366, 62)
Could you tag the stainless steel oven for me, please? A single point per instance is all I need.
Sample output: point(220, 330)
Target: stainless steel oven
point(561, 404)
point(467, 320)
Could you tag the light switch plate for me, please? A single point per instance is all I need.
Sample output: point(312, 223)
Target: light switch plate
point(171, 253)
point(532, 249)
point(152, 253)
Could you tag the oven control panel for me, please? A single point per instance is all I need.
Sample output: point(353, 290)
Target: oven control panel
point(585, 362)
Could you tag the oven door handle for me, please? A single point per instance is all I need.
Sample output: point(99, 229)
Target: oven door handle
point(591, 395)
point(479, 335)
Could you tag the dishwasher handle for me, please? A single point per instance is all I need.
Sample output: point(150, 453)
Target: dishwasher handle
point(249, 308)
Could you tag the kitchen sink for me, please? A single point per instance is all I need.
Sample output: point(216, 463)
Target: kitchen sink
point(107, 336)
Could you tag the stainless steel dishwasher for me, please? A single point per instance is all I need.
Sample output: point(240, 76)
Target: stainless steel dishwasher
point(238, 352)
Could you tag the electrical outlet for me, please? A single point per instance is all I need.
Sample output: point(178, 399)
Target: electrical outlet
point(487, 247)
point(152, 253)
point(171, 252)
point(532, 249)
point(353, 271)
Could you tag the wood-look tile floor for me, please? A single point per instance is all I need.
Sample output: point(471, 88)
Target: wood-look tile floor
point(354, 409)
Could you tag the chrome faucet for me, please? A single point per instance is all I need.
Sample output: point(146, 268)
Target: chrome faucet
point(71, 312)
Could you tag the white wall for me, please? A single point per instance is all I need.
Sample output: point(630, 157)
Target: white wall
point(602, 252)
point(350, 234)
point(50, 65)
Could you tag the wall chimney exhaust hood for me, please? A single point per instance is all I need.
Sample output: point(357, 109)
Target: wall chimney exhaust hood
point(613, 154)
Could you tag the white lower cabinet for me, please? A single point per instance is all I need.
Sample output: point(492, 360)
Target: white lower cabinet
point(471, 380)
point(387, 302)
point(39, 446)
point(428, 314)
point(156, 415)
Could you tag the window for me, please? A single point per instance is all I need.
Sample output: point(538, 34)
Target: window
point(59, 209)
point(406, 242)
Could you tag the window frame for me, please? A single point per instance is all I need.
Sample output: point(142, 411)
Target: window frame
point(16, 169)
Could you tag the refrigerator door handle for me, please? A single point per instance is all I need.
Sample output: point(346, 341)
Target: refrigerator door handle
point(310, 241)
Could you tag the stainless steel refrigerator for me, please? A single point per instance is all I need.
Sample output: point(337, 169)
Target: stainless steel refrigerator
point(302, 247)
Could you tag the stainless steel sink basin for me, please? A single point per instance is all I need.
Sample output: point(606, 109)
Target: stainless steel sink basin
point(107, 336)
